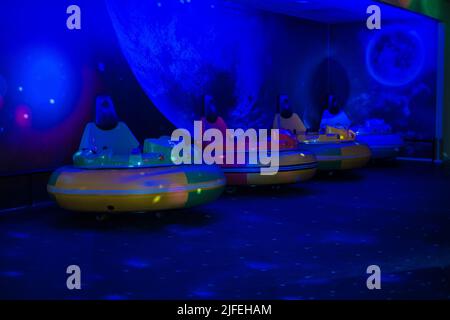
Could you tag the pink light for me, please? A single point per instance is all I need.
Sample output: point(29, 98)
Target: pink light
point(23, 115)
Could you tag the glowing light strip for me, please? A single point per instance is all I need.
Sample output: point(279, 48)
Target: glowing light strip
point(188, 188)
point(298, 167)
point(339, 158)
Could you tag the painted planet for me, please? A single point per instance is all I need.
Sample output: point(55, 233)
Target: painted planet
point(395, 57)
point(181, 51)
point(3, 86)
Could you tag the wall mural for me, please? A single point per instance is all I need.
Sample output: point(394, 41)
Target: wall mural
point(392, 77)
point(159, 58)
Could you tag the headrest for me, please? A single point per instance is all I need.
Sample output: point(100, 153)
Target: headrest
point(105, 116)
point(210, 109)
point(333, 105)
point(283, 107)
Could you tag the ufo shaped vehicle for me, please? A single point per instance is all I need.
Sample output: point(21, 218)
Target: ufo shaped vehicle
point(111, 172)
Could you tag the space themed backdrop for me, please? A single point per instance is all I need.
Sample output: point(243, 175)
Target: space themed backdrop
point(157, 59)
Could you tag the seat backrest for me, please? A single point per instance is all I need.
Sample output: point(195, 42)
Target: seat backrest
point(294, 124)
point(108, 133)
point(286, 118)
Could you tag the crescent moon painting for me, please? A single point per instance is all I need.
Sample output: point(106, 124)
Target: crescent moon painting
point(181, 51)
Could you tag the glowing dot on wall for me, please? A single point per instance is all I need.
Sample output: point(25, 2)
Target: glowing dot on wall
point(23, 115)
point(51, 101)
point(20, 89)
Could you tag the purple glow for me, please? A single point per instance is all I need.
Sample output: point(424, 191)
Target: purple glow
point(23, 115)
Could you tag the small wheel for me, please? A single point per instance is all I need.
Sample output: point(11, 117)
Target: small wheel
point(101, 217)
point(230, 190)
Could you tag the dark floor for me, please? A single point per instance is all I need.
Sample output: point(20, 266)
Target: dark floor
point(309, 241)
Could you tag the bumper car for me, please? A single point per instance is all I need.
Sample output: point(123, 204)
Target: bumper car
point(294, 165)
point(379, 137)
point(111, 173)
point(334, 148)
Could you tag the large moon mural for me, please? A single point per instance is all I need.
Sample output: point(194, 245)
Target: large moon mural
point(395, 57)
point(181, 50)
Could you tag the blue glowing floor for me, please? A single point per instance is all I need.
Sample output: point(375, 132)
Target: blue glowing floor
point(310, 241)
